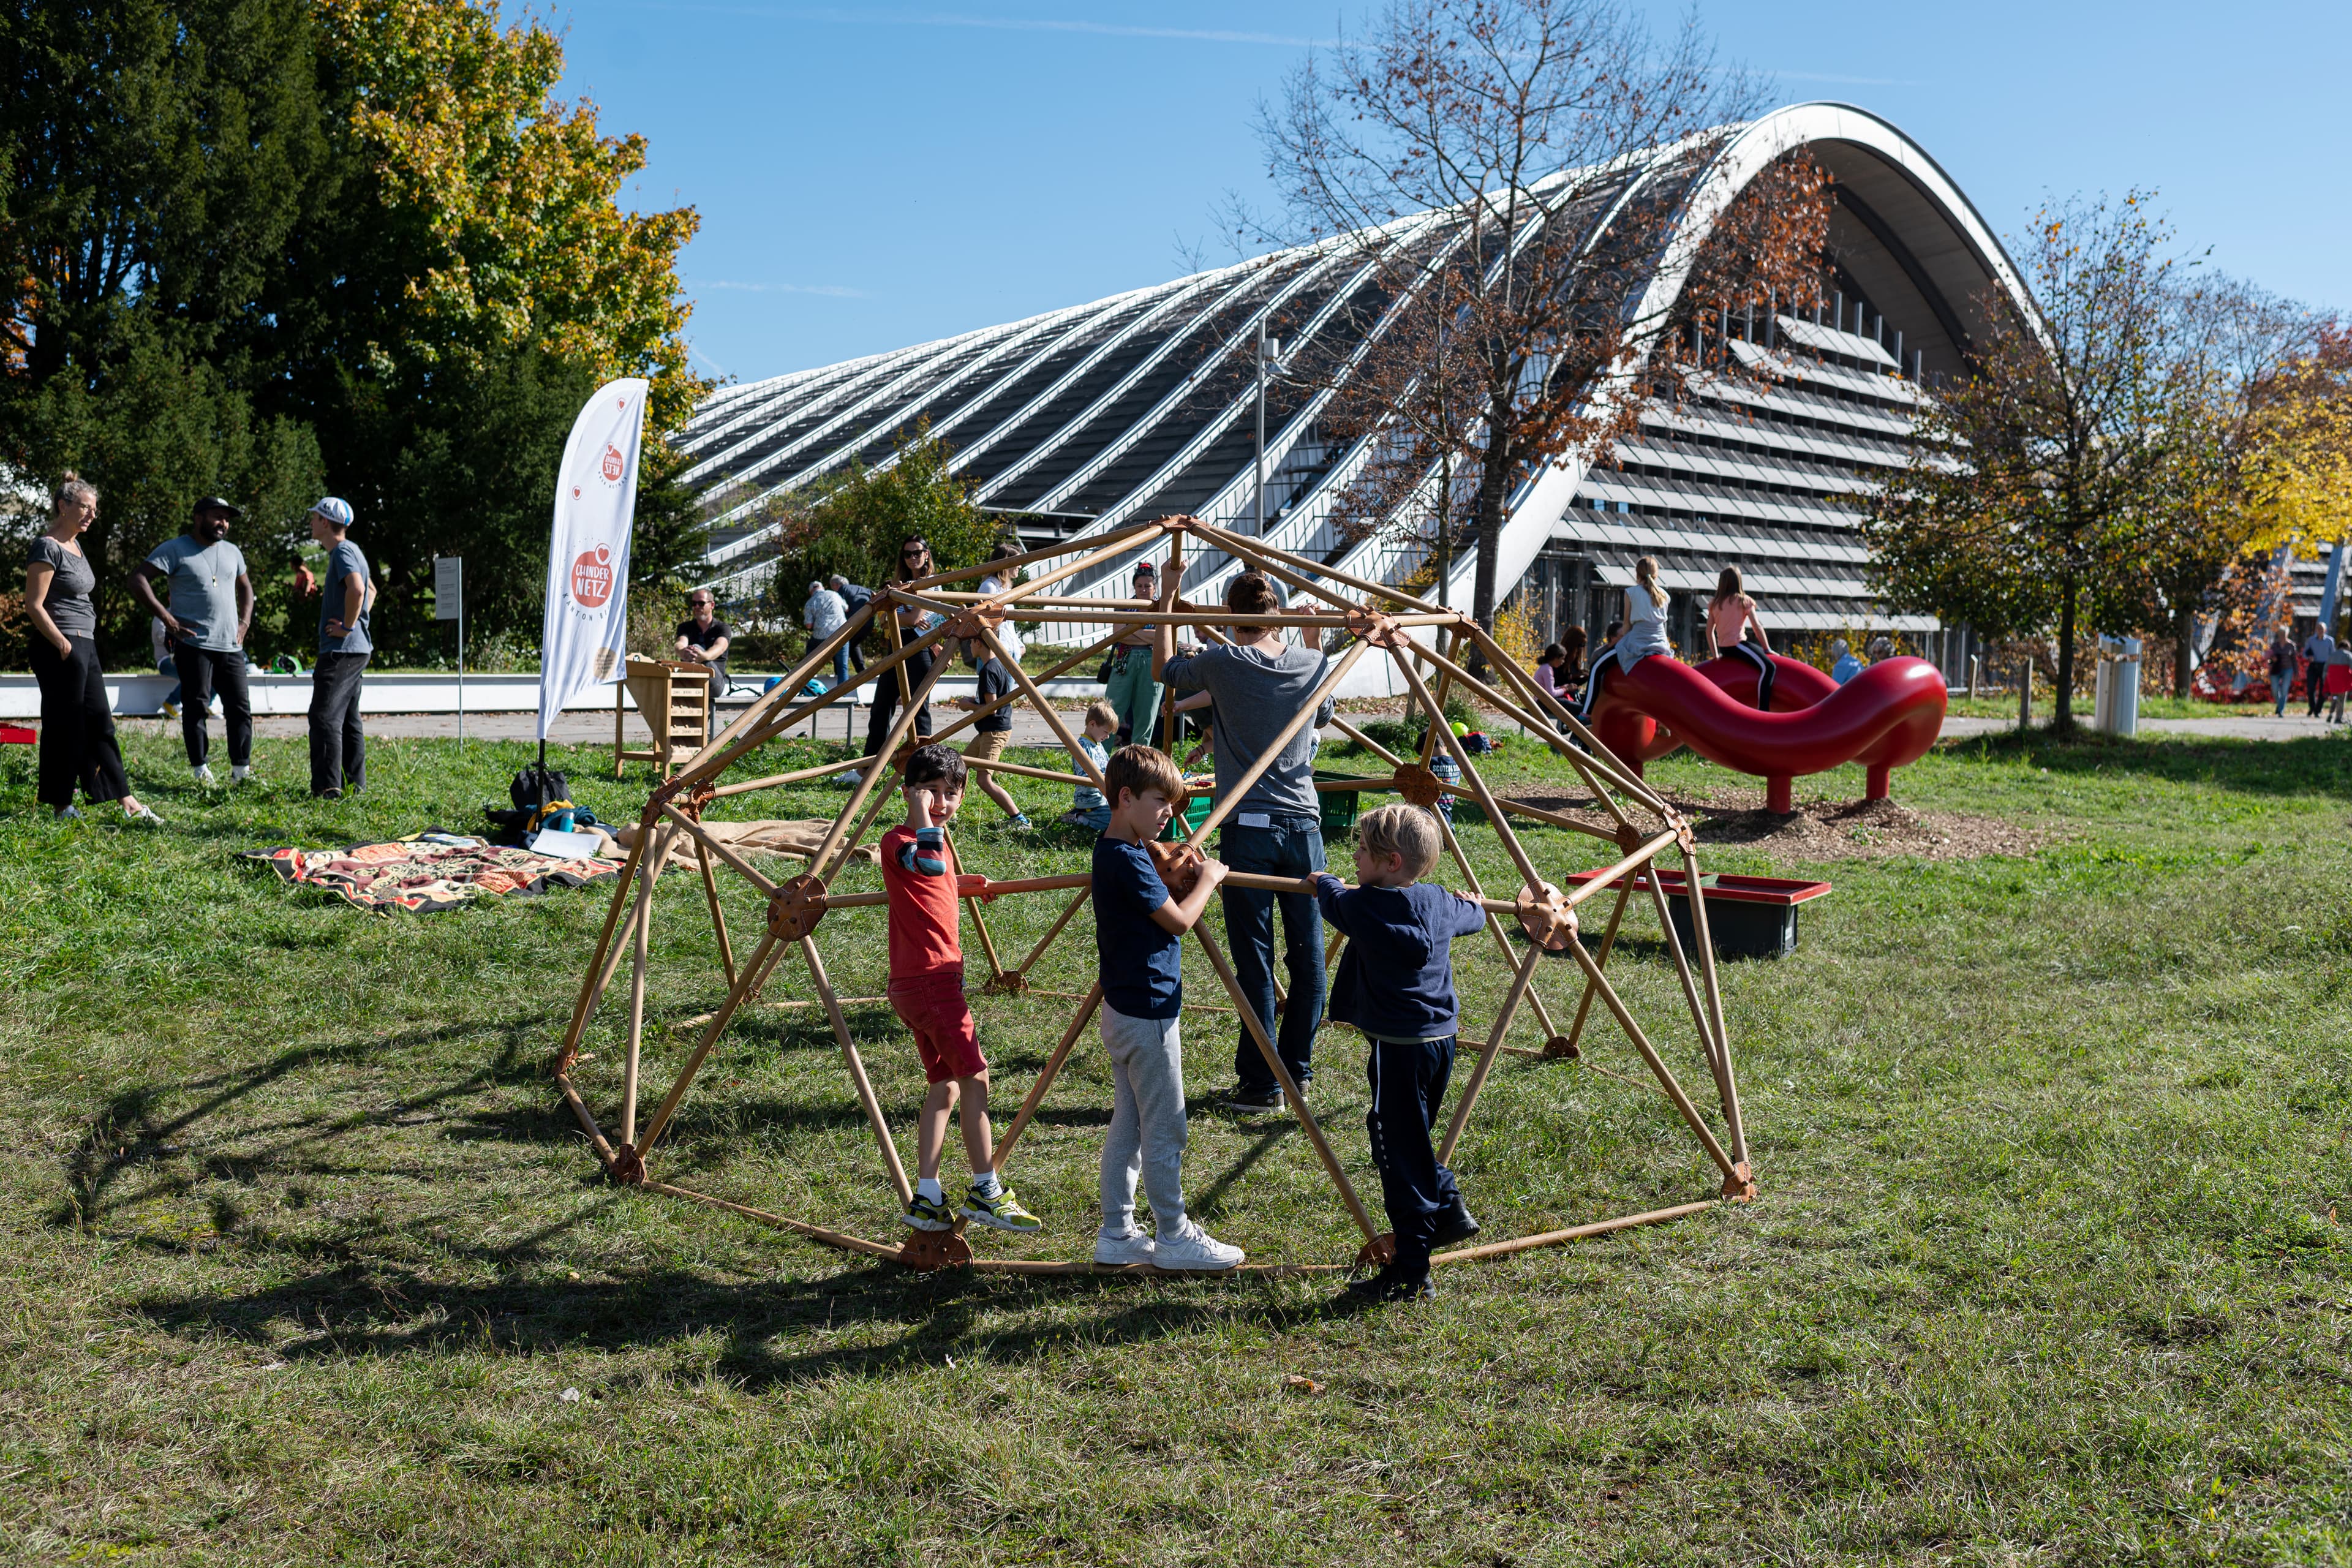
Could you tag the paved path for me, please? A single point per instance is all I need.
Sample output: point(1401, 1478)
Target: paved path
point(1029, 730)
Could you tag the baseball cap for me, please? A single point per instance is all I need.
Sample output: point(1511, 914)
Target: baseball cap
point(214, 503)
point(335, 510)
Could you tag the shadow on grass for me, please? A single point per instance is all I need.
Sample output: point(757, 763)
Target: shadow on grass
point(130, 1132)
point(2319, 764)
point(356, 1306)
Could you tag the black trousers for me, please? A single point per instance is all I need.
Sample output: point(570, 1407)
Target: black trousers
point(886, 700)
point(338, 745)
point(76, 726)
point(1764, 670)
point(2314, 684)
point(1408, 1084)
point(201, 671)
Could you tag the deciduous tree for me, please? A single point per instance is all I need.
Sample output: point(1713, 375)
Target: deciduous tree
point(1521, 125)
point(2035, 475)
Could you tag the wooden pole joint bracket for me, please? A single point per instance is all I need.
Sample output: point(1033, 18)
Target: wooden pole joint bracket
point(934, 1249)
point(1012, 982)
point(1740, 1186)
point(1179, 865)
point(796, 907)
point(1685, 838)
point(1418, 786)
point(1378, 1252)
point(1546, 918)
point(628, 1166)
point(1560, 1048)
point(1369, 626)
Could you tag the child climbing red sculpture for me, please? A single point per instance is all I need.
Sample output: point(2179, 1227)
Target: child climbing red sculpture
point(1885, 717)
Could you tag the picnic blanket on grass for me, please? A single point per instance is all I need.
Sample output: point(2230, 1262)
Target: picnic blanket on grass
point(427, 871)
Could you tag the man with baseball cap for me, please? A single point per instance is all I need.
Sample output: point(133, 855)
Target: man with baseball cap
point(338, 745)
point(206, 621)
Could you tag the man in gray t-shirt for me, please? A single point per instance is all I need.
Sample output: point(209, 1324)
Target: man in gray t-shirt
point(1258, 685)
point(337, 743)
point(206, 622)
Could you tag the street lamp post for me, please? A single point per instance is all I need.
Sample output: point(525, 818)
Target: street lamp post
point(1263, 357)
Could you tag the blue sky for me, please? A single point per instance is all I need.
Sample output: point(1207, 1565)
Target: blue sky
point(873, 175)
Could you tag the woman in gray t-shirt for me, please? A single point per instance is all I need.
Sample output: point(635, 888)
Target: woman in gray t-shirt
point(76, 721)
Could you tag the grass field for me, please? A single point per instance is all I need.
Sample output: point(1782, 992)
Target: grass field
point(310, 1265)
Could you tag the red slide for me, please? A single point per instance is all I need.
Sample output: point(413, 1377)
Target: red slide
point(1883, 718)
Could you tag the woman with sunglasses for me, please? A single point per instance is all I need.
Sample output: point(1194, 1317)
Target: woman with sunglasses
point(914, 562)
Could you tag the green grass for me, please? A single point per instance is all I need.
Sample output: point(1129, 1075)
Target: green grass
point(311, 1266)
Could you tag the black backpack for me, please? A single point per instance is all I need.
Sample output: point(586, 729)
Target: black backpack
point(536, 791)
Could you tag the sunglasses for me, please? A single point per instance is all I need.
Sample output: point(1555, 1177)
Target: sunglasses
point(915, 550)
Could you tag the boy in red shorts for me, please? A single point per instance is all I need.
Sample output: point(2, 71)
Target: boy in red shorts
point(927, 993)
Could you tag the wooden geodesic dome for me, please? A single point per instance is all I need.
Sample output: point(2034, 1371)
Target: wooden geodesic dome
point(1376, 620)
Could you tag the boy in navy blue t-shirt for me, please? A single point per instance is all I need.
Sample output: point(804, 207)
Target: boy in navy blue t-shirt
point(1139, 927)
point(1396, 984)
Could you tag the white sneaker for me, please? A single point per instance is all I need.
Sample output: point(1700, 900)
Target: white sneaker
point(1118, 1251)
point(239, 772)
point(1194, 1250)
point(203, 773)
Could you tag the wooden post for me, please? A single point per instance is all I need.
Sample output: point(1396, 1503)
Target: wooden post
point(1290, 1087)
point(1004, 1150)
point(824, 862)
point(856, 1066)
point(718, 917)
point(1501, 1027)
point(1665, 1078)
point(1494, 921)
point(971, 902)
point(719, 1022)
point(1500, 822)
point(1038, 951)
point(1044, 709)
point(640, 941)
point(593, 987)
point(1728, 1078)
point(1607, 941)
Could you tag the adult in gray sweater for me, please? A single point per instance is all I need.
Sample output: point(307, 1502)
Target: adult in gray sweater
point(1258, 685)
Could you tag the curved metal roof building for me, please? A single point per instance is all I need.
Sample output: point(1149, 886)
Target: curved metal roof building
point(1145, 402)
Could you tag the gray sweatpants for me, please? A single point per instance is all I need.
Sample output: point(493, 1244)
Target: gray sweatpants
point(1147, 1122)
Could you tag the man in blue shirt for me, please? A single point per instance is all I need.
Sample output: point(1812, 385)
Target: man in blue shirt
point(338, 745)
point(210, 611)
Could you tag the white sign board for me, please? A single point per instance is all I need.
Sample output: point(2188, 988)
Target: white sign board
point(448, 588)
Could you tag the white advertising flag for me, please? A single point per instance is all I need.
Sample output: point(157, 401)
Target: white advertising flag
point(584, 638)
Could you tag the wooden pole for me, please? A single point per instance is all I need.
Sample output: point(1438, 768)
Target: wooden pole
point(718, 917)
point(1641, 857)
point(720, 848)
point(1596, 759)
point(1501, 1027)
point(1251, 1021)
point(1728, 1078)
point(1038, 951)
point(1004, 1150)
point(797, 775)
point(856, 1066)
point(1608, 942)
point(972, 907)
point(1366, 741)
point(1616, 1005)
point(965, 720)
point(814, 1232)
point(824, 862)
point(719, 1022)
point(1262, 553)
point(605, 1152)
point(1501, 824)
point(1494, 919)
point(1230, 800)
point(639, 943)
point(1044, 709)
point(1573, 1233)
point(1112, 542)
point(592, 985)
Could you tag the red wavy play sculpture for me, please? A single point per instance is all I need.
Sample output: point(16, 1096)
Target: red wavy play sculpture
point(1883, 718)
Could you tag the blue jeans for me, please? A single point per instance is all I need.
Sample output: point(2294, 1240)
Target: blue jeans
point(1408, 1085)
point(1285, 850)
point(840, 664)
